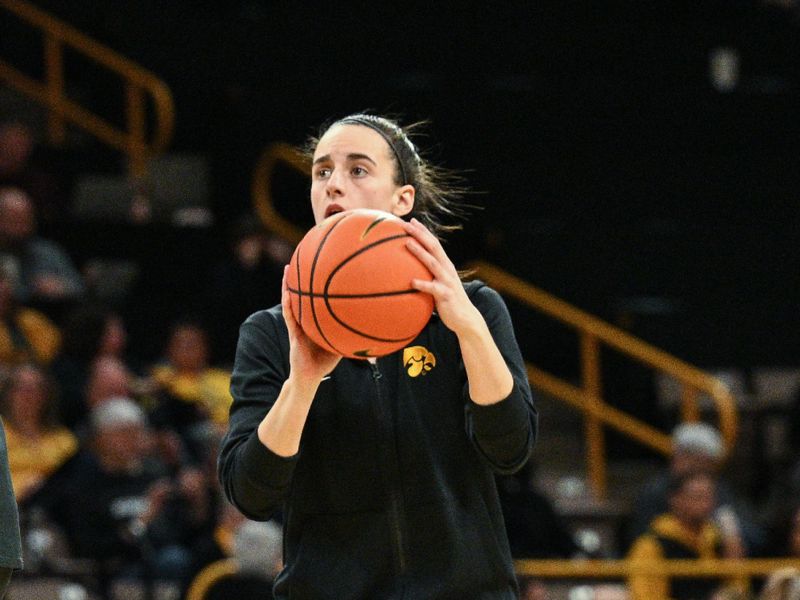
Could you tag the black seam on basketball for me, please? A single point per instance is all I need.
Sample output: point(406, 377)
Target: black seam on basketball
point(311, 283)
point(326, 296)
point(348, 296)
point(371, 226)
point(364, 249)
point(300, 285)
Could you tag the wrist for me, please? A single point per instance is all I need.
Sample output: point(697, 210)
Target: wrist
point(301, 387)
point(472, 328)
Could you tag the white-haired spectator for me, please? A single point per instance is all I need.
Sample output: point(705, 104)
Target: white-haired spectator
point(699, 447)
point(257, 547)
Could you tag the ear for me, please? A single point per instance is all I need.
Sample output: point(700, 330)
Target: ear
point(403, 200)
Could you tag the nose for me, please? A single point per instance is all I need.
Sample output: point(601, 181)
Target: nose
point(334, 187)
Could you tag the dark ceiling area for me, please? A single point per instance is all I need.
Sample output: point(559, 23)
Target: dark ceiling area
point(639, 159)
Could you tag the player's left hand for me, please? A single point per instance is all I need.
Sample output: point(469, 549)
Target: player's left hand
point(452, 303)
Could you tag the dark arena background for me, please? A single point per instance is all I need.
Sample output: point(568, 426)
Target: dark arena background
point(612, 167)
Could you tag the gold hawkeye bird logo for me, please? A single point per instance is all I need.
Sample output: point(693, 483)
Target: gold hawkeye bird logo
point(418, 361)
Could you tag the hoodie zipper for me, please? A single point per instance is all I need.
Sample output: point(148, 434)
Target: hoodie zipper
point(391, 480)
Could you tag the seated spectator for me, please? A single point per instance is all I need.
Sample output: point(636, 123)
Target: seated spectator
point(108, 377)
point(26, 335)
point(256, 561)
point(18, 169)
point(117, 503)
point(783, 584)
point(42, 271)
point(37, 444)
point(90, 332)
point(191, 394)
point(685, 531)
point(698, 446)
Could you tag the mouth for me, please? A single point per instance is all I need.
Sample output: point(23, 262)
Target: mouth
point(333, 209)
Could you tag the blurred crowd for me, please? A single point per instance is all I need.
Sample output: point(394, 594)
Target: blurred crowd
point(113, 455)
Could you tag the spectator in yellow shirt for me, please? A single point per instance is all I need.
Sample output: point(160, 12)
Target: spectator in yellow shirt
point(37, 443)
point(685, 531)
point(192, 395)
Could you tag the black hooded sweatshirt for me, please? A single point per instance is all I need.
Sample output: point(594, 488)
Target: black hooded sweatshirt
point(392, 493)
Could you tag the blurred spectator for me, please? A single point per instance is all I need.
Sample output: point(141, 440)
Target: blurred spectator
point(535, 529)
point(698, 446)
point(246, 280)
point(17, 169)
point(37, 443)
point(192, 396)
point(531, 588)
point(108, 377)
point(117, 503)
point(257, 560)
point(783, 584)
point(41, 270)
point(90, 332)
point(26, 335)
point(685, 531)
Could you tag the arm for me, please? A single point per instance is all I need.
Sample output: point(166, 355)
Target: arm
point(501, 417)
point(275, 376)
point(254, 478)
point(504, 431)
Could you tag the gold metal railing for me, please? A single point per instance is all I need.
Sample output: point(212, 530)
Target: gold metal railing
point(593, 334)
point(588, 397)
point(622, 570)
point(261, 190)
point(139, 83)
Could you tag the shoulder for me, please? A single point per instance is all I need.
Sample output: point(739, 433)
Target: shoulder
point(488, 301)
point(267, 322)
point(266, 318)
point(482, 294)
point(263, 333)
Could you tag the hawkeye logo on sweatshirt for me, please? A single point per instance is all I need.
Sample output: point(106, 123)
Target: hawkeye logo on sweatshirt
point(418, 361)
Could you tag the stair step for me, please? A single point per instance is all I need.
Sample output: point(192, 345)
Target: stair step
point(176, 190)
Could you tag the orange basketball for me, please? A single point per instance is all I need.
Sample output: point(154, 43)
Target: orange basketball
point(349, 282)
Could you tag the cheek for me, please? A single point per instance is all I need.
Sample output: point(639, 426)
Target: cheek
point(317, 201)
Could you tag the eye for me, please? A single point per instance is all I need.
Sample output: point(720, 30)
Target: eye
point(322, 173)
point(358, 171)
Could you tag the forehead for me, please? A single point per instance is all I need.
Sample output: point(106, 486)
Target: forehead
point(352, 138)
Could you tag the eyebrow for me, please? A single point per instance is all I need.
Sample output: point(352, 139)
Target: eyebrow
point(350, 157)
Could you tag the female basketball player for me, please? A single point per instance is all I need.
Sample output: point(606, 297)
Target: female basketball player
point(383, 470)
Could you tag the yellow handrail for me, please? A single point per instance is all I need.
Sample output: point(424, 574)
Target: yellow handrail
point(51, 92)
point(261, 189)
point(676, 567)
point(593, 334)
point(737, 569)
